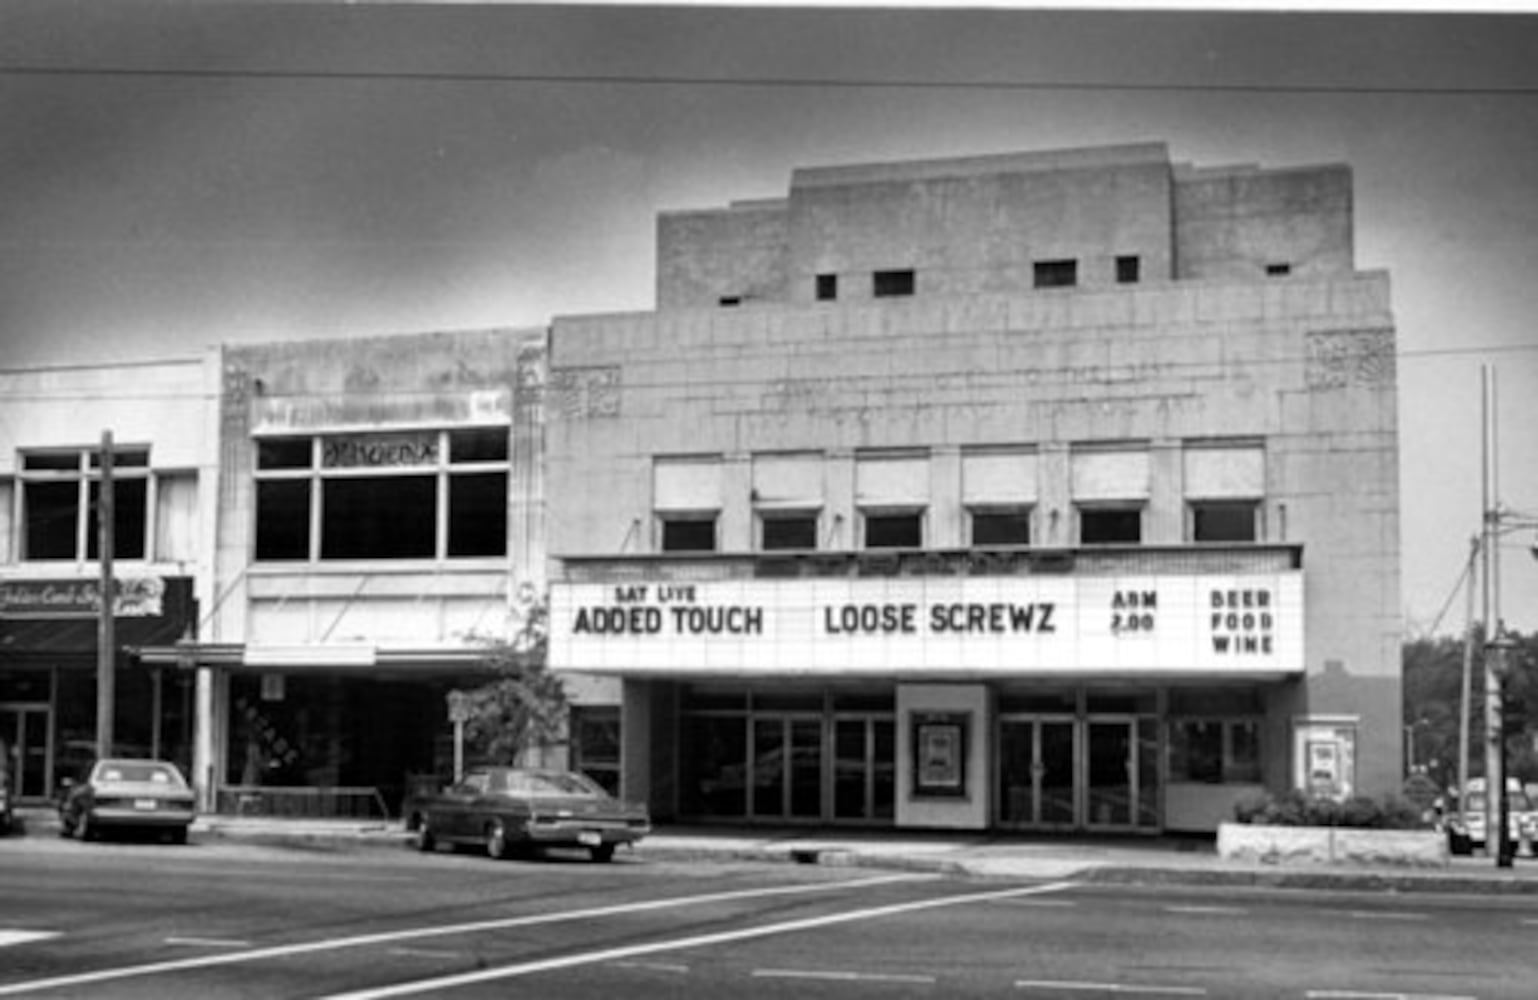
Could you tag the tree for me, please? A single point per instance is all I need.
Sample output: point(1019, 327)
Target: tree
point(524, 707)
point(1433, 673)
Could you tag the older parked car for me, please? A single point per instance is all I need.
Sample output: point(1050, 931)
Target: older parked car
point(1469, 829)
point(506, 808)
point(128, 794)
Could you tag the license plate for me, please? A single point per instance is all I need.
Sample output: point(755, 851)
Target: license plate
point(589, 838)
point(144, 804)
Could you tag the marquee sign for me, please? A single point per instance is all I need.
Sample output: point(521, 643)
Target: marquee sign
point(1219, 625)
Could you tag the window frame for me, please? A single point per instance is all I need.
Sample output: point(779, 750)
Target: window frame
point(445, 465)
point(1055, 272)
point(1255, 511)
point(1110, 507)
point(130, 465)
point(669, 517)
point(1231, 770)
point(893, 512)
point(1025, 511)
point(767, 515)
point(894, 283)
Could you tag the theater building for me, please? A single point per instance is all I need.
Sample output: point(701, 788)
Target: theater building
point(1045, 491)
point(55, 425)
point(377, 526)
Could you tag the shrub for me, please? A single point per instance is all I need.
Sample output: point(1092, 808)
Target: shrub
point(1360, 812)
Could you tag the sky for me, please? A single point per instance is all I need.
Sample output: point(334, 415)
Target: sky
point(175, 175)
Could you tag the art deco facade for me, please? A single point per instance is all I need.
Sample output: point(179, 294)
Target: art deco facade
point(1043, 491)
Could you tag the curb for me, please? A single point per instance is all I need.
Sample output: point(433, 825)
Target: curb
point(1092, 872)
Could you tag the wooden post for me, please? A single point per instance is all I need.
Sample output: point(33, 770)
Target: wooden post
point(106, 640)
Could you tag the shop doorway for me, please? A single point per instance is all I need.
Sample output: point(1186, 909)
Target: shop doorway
point(1098, 773)
point(24, 737)
point(864, 773)
point(1038, 773)
point(787, 768)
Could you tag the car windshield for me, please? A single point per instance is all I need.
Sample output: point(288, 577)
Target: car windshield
point(549, 783)
point(138, 772)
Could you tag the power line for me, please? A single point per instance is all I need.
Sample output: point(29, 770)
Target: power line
point(778, 82)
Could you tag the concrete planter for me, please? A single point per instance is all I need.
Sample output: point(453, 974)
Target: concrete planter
point(1328, 845)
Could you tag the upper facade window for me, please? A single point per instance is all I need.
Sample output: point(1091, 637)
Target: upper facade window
point(398, 495)
point(60, 494)
point(1225, 481)
point(892, 493)
point(892, 283)
point(1055, 273)
point(1128, 270)
point(788, 499)
point(827, 287)
point(1110, 487)
point(998, 487)
point(686, 499)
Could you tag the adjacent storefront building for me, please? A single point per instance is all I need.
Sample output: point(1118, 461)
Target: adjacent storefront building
point(1043, 492)
point(57, 422)
point(377, 527)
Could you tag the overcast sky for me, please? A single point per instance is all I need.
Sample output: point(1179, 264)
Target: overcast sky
point(173, 176)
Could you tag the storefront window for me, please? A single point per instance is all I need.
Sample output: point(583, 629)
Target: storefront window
point(1215, 751)
point(596, 744)
point(398, 495)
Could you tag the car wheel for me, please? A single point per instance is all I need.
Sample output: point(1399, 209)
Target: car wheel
point(425, 840)
point(496, 839)
point(177, 836)
point(603, 852)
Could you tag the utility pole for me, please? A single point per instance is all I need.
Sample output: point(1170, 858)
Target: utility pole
point(1497, 837)
point(106, 642)
point(1467, 685)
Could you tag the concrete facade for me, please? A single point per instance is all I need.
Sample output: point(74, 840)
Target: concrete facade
point(345, 613)
point(52, 424)
point(1196, 336)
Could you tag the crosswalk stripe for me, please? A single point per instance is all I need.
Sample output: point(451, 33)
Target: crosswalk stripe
point(10, 937)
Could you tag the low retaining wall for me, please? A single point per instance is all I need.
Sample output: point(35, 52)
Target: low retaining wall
point(1328, 845)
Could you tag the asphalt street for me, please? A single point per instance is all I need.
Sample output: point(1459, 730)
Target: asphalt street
point(227, 919)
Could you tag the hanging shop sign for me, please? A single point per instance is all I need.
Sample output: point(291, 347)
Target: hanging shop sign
point(133, 597)
point(927, 625)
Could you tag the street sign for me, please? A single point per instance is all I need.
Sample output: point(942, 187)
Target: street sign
point(459, 706)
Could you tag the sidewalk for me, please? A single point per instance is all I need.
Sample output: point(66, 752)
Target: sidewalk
point(1101, 860)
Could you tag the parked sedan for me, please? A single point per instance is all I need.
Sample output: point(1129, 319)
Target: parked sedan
point(505, 808)
point(128, 794)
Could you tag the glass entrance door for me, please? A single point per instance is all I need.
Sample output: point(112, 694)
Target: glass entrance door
point(863, 778)
point(787, 768)
point(1122, 774)
point(24, 739)
point(1038, 768)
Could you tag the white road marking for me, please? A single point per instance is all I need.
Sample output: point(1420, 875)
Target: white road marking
point(699, 941)
point(389, 937)
point(1367, 995)
point(840, 977)
point(425, 952)
point(655, 966)
point(9, 937)
point(202, 942)
point(1385, 915)
point(1227, 910)
point(1149, 990)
